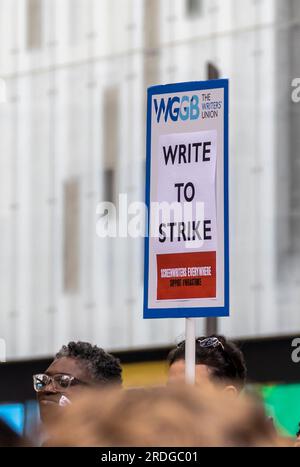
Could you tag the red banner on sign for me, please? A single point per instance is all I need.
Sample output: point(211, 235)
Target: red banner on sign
point(186, 275)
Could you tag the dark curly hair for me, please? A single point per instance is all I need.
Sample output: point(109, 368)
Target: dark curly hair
point(225, 361)
point(104, 367)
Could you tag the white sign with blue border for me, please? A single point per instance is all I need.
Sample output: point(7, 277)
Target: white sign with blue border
point(186, 270)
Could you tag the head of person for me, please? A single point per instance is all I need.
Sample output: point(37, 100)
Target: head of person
point(76, 367)
point(175, 415)
point(217, 361)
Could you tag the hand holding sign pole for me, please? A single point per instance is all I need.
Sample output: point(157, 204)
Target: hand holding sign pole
point(186, 249)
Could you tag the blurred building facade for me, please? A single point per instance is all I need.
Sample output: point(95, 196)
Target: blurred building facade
point(73, 134)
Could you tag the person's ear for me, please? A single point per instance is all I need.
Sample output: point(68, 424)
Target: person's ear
point(231, 391)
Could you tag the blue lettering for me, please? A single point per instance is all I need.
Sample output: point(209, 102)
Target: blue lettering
point(176, 107)
point(161, 109)
point(185, 115)
point(174, 112)
point(195, 111)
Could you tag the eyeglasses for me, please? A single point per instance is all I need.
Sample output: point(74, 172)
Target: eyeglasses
point(60, 382)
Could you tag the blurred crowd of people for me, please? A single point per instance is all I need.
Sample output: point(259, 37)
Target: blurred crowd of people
point(82, 403)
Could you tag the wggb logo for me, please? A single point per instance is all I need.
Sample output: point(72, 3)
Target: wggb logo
point(183, 108)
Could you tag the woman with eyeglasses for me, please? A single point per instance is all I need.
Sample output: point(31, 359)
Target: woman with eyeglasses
point(77, 366)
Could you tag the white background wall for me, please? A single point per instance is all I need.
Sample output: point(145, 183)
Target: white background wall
point(52, 132)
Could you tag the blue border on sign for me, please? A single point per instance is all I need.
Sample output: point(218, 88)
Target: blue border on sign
point(193, 312)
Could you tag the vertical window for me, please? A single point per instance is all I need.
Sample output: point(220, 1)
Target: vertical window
point(71, 235)
point(151, 41)
point(212, 71)
point(151, 23)
point(110, 131)
point(194, 8)
point(76, 10)
point(34, 24)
